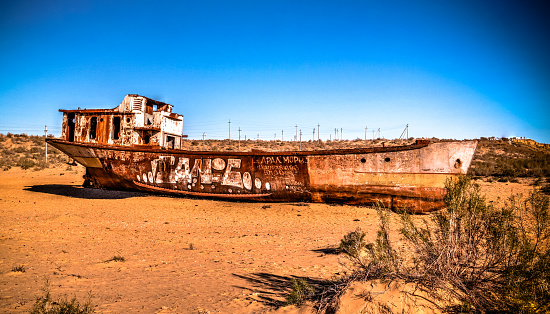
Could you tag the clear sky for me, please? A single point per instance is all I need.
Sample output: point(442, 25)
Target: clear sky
point(448, 69)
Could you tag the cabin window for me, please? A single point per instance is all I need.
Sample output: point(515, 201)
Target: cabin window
point(93, 128)
point(170, 141)
point(71, 124)
point(116, 128)
point(387, 159)
point(458, 163)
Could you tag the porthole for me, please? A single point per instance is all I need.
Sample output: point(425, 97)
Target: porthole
point(458, 163)
point(127, 120)
point(363, 160)
point(387, 159)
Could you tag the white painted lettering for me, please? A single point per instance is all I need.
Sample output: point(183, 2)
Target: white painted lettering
point(183, 174)
point(206, 175)
point(230, 177)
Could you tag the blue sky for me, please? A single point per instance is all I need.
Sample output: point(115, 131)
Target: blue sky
point(448, 69)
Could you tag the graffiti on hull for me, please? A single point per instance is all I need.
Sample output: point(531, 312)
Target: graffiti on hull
point(184, 173)
point(219, 175)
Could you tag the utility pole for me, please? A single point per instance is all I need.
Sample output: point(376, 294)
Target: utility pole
point(46, 136)
point(335, 137)
point(365, 135)
point(405, 131)
point(296, 138)
point(230, 130)
point(282, 135)
point(318, 125)
point(313, 139)
point(341, 134)
point(239, 138)
point(203, 134)
point(300, 139)
point(258, 136)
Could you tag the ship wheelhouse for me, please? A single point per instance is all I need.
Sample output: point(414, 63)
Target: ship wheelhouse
point(137, 121)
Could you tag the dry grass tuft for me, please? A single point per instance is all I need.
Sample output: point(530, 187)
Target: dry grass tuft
point(18, 269)
point(116, 258)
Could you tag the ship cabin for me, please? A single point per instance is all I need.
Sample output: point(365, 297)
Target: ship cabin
point(137, 121)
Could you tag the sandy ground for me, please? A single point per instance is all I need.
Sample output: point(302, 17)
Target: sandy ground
point(182, 255)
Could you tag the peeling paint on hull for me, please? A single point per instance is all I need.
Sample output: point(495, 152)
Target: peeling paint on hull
point(411, 177)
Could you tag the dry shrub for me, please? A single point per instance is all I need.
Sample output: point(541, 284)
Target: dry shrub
point(116, 258)
point(353, 243)
point(469, 257)
point(46, 305)
point(301, 291)
point(18, 269)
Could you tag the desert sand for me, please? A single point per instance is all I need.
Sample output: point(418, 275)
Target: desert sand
point(181, 255)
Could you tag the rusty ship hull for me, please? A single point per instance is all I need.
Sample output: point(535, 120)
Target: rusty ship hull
point(408, 177)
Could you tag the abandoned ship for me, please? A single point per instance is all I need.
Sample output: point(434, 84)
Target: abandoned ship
point(137, 146)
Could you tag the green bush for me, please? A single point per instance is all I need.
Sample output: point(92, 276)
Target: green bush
point(40, 165)
point(484, 258)
point(301, 291)
point(20, 149)
point(353, 243)
point(35, 150)
point(25, 163)
point(38, 140)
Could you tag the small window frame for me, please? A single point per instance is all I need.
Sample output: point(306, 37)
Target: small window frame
point(93, 128)
point(116, 127)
